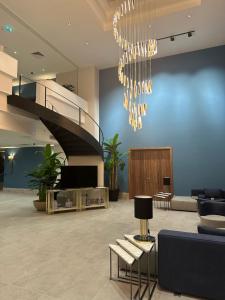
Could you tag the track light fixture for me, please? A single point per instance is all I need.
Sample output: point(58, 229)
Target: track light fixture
point(172, 37)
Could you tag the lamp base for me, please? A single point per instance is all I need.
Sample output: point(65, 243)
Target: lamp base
point(144, 238)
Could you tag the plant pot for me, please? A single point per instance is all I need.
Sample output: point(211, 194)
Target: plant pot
point(114, 195)
point(39, 205)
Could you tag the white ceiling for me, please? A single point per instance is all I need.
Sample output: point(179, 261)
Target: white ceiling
point(43, 26)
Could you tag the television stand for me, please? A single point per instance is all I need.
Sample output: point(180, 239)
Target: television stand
point(77, 199)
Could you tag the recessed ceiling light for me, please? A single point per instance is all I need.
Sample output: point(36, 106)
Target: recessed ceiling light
point(86, 43)
point(189, 16)
point(14, 52)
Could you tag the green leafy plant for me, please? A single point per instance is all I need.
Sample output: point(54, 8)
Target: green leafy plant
point(44, 176)
point(113, 160)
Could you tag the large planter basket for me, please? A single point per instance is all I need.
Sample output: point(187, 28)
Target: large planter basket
point(114, 195)
point(40, 205)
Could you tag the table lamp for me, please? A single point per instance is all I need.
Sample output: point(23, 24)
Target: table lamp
point(143, 211)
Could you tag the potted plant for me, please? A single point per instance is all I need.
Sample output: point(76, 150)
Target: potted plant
point(44, 176)
point(113, 162)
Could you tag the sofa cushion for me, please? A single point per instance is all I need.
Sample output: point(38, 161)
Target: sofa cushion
point(196, 192)
point(212, 193)
point(223, 193)
point(202, 196)
point(209, 230)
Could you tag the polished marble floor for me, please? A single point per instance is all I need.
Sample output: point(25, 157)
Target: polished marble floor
point(65, 256)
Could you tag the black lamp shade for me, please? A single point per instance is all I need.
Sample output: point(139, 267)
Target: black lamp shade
point(143, 207)
point(166, 180)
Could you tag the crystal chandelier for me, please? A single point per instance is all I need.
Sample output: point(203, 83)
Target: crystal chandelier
point(132, 31)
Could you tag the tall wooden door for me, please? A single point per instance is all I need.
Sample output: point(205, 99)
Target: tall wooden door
point(147, 168)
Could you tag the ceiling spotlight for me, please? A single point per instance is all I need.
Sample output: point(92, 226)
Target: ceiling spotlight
point(189, 34)
point(14, 52)
point(189, 16)
point(172, 38)
point(86, 43)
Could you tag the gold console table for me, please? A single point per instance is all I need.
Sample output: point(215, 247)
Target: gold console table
point(77, 199)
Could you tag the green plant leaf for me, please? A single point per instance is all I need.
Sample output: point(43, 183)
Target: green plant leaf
point(113, 160)
point(44, 176)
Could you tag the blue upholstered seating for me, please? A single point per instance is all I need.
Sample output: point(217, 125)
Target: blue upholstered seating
point(192, 264)
point(208, 207)
point(209, 194)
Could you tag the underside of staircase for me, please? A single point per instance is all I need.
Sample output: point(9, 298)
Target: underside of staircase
point(73, 139)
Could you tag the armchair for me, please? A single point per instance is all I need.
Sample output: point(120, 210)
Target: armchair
point(209, 207)
point(192, 264)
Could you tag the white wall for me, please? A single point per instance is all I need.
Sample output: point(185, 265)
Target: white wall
point(88, 89)
point(8, 72)
point(12, 119)
point(8, 65)
point(68, 78)
point(89, 161)
point(58, 96)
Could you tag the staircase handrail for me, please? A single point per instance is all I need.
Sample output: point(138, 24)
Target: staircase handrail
point(80, 109)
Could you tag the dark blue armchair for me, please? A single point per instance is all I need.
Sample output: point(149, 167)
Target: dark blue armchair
point(208, 207)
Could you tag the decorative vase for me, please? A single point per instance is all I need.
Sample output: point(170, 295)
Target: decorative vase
point(39, 205)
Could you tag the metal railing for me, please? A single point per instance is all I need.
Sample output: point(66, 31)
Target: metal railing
point(23, 81)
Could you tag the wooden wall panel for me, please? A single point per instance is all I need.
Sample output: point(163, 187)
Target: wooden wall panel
point(136, 168)
point(147, 167)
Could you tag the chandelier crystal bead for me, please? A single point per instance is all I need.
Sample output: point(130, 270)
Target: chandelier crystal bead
point(133, 34)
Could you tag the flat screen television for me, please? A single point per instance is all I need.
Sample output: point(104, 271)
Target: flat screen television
point(79, 176)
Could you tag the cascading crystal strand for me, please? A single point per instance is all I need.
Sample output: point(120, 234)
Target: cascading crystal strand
point(133, 35)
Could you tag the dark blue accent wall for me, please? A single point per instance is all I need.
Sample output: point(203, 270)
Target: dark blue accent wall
point(186, 111)
point(26, 159)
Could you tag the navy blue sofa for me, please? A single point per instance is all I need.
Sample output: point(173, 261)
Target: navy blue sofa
point(208, 194)
point(192, 264)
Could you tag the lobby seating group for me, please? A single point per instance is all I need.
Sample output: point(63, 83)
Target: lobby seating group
point(193, 263)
